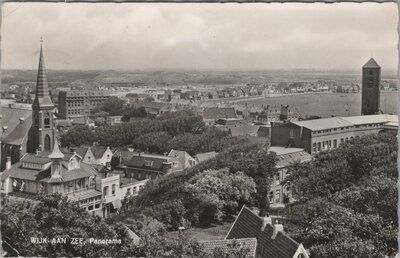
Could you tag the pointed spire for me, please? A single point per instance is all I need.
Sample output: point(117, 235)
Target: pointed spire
point(56, 153)
point(42, 88)
point(371, 64)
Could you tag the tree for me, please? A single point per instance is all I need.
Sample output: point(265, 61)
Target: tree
point(55, 217)
point(354, 188)
point(130, 112)
point(77, 136)
point(156, 142)
point(113, 105)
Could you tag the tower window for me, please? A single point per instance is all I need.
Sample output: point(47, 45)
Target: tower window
point(371, 72)
point(47, 120)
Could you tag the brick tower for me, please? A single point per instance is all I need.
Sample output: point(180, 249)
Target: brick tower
point(371, 79)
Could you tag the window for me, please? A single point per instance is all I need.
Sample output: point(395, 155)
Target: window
point(148, 163)
point(47, 120)
point(90, 207)
point(271, 196)
point(319, 146)
point(335, 143)
point(113, 190)
point(128, 192)
point(97, 205)
point(370, 72)
point(314, 147)
point(105, 191)
point(291, 134)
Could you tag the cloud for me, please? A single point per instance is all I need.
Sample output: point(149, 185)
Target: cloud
point(199, 36)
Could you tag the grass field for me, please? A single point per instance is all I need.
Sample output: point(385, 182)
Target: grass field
point(214, 232)
point(328, 104)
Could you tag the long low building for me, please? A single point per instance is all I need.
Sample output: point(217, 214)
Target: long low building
point(328, 133)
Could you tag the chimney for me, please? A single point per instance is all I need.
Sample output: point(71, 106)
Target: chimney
point(266, 220)
point(10, 105)
point(277, 228)
point(8, 162)
point(21, 120)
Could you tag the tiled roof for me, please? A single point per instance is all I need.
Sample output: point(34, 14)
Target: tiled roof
point(81, 151)
point(244, 130)
point(289, 156)
point(371, 64)
point(15, 130)
point(98, 151)
point(17, 171)
point(249, 225)
point(225, 245)
point(219, 112)
point(156, 162)
point(206, 156)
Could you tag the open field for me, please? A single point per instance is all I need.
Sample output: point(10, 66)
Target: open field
point(215, 232)
point(327, 104)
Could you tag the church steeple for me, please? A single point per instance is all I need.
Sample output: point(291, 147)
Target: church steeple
point(42, 95)
point(42, 135)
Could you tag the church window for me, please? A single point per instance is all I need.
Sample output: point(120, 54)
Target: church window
point(47, 142)
point(47, 120)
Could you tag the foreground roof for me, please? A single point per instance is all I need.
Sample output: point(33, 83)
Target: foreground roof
point(226, 245)
point(250, 225)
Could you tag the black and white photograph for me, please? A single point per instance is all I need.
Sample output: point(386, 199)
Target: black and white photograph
point(199, 130)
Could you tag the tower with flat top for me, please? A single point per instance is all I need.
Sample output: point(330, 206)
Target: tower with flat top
point(371, 79)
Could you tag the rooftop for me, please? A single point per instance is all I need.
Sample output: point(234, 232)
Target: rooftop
point(226, 245)
point(371, 64)
point(323, 123)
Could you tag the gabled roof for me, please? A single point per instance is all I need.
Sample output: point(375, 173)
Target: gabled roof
point(250, 225)
point(81, 151)
point(371, 64)
point(180, 156)
point(225, 245)
point(219, 112)
point(98, 151)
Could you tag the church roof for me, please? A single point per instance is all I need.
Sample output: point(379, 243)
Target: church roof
point(42, 95)
point(371, 64)
point(17, 129)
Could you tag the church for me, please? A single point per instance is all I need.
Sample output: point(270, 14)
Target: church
point(29, 130)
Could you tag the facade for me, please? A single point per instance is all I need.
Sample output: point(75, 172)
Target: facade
point(183, 159)
point(371, 79)
point(328, 133)
point(280, 191)
point(113, 120)
point(77, 103)
point(272, 241)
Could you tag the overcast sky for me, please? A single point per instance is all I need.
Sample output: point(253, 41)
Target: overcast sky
point(199, 36)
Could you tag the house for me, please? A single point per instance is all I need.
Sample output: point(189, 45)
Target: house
point(113, 120)
point(95, 155)
point(272, 241)
point(225, 246)
point(149, 166)
point(280, 191)
point(200, 157)
point(212, 114)
point(82, 120)
point(183, 158)
point(53, 172)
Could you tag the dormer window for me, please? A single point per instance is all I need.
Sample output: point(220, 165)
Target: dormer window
point(148, 163)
